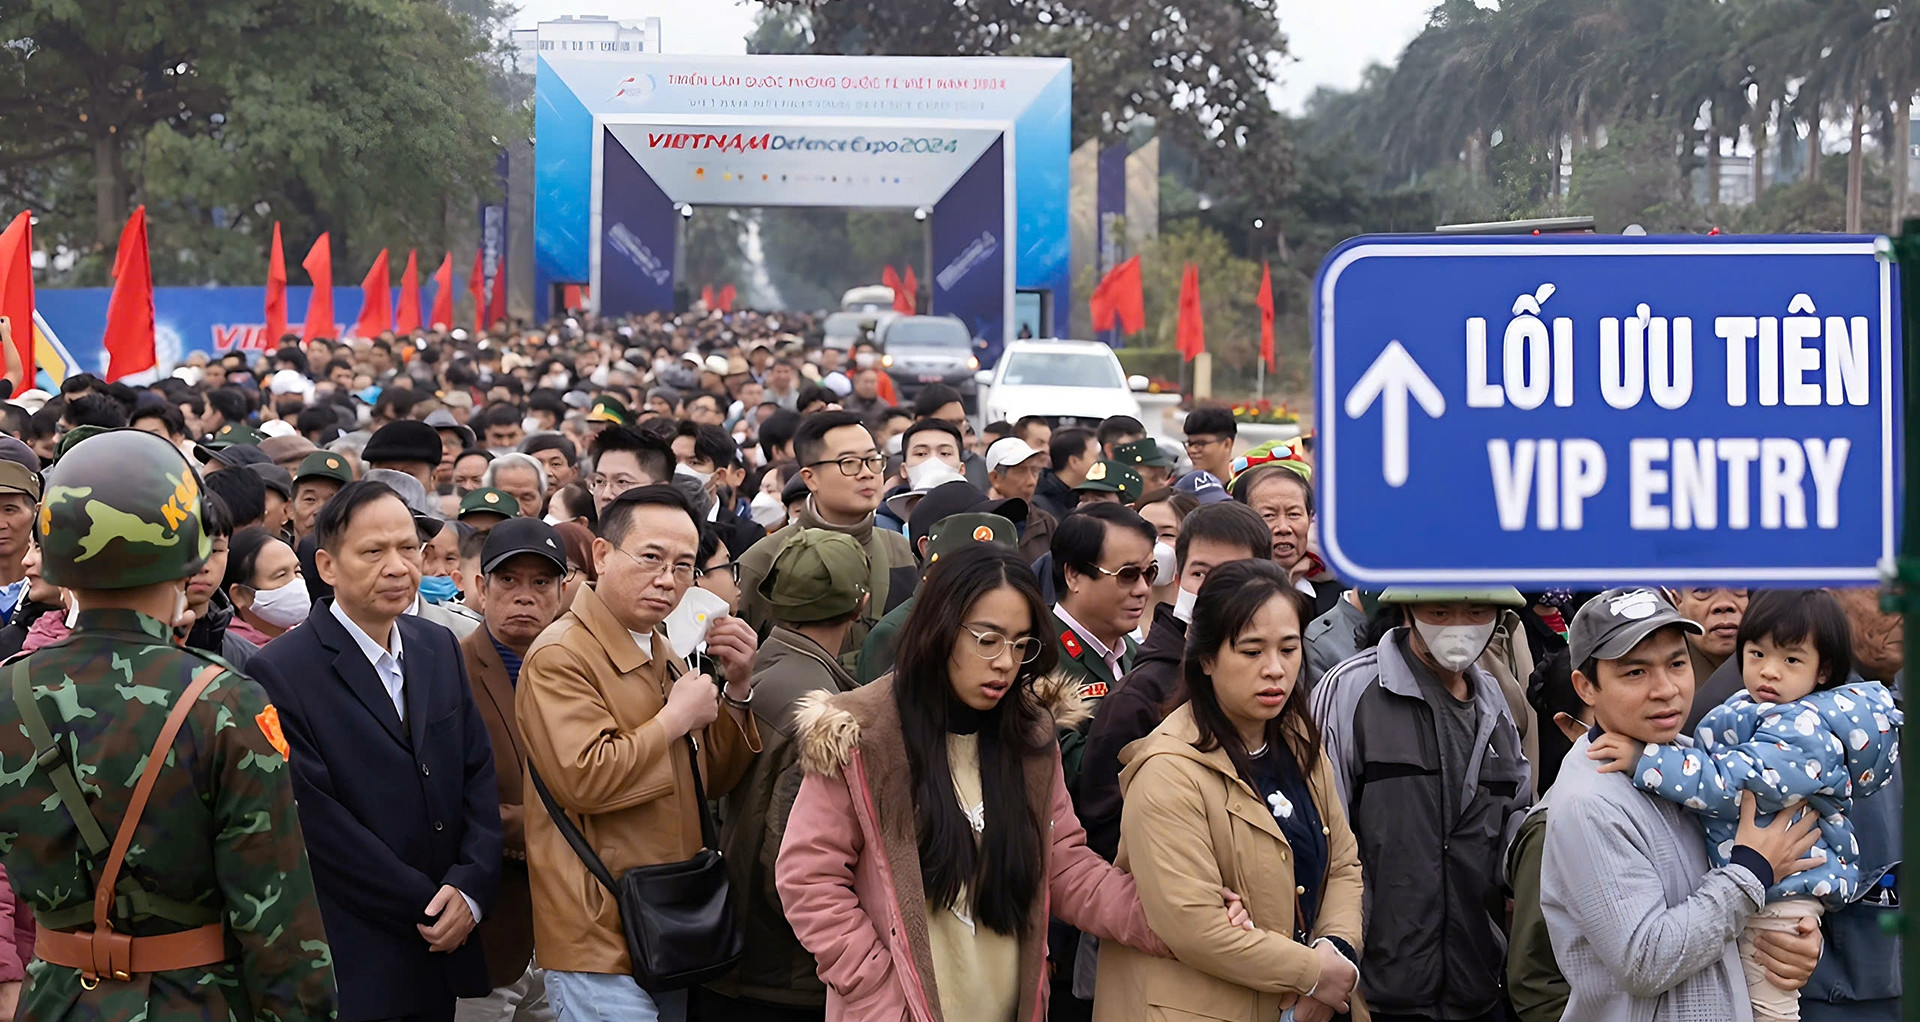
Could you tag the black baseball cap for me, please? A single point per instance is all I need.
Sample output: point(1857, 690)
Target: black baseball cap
point(959, 497)
point(517, 536)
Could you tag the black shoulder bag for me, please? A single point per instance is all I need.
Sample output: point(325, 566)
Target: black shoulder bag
point(678, 916)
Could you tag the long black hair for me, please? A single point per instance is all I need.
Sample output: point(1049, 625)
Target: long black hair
point(1002, 873)
point(1224, 609)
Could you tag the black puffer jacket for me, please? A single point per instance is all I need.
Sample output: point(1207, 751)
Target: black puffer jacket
point(210, 634)
point(14, 635)
point(1130, 712)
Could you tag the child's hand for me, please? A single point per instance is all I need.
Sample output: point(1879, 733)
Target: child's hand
point(1616, 753)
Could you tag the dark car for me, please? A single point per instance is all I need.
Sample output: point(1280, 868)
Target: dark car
point(929, 349)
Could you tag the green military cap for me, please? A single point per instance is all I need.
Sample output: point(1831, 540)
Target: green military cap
point(818, 575)
point(324, 465)
point(74, 436)
point(607, 408)
point(1113, 477)
point(955, 533)
point(488, 500)
point(1499, 596)
point(1143, 452)
point(235, 433)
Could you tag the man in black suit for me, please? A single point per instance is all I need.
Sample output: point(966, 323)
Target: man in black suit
point(392, 767)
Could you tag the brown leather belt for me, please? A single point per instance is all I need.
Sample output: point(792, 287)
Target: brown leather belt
point(101, 952)
point(117, 956)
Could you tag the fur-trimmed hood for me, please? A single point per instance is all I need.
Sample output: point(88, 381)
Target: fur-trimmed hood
point(829, 725)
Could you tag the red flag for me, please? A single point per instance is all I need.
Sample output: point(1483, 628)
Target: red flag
point(706, 297)
point(726, 296)
point(497, 309)
point(1191, 337)
point(376, 301)
point(1265, 301)
point(442, 316)
point(889, 278)
point(129, 336)
point(407, 319)
point(913, 291)
point(477, 286)
point(570, 297)
point(319, 267)
point(276, 293)
point(1119, 296)
point(16, 293)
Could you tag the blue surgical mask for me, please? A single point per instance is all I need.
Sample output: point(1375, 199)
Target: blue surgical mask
point(438, 588)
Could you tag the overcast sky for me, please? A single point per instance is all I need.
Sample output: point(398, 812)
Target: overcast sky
point(1331, 43)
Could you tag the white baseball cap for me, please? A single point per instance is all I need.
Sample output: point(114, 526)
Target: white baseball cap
point(1007, 451)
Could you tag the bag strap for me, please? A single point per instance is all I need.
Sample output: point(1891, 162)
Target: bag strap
point(709, 832)
point(162, 746)
point(572, 834)
point(50, 757)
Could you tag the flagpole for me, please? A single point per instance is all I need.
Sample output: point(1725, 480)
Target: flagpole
point(1260, 379)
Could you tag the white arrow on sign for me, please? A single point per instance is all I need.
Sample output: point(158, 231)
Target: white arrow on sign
point(1392, 377)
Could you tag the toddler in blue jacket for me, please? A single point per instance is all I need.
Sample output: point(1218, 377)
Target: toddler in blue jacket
point(1800, 734)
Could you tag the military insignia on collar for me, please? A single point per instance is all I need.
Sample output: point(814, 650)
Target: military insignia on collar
point(1070, 643)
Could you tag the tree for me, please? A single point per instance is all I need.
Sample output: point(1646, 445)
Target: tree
point(1199, 70)
point(364, 117)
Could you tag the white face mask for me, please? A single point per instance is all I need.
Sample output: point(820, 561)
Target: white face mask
point(553, 519)
point(530, 424)
point(283, 607)
point(1163, 561)
point(930, 473)
point(693, 473)
point(1455, 647)
point(767, 511)
point(1183, 605)
point(865, 360)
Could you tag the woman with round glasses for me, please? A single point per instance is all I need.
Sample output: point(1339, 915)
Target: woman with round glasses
point(1233, 788)
point(933, 835)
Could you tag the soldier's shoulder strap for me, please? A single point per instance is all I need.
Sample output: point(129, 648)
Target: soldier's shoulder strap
point(50, 758)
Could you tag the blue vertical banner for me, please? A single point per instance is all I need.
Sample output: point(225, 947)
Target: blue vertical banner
point(638, 234)
point(970, 252)
point(1110, 198)
point(493, 227)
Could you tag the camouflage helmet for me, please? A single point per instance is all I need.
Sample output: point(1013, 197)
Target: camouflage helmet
point(123, 509)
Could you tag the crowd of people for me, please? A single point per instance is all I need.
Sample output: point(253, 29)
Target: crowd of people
point(681, 667)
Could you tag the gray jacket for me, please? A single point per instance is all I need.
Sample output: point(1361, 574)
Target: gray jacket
point(1642, 928)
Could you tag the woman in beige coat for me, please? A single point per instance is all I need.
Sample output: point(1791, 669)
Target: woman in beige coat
point(1233, 790)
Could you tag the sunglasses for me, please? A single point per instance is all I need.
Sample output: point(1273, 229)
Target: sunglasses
point(1130, 575)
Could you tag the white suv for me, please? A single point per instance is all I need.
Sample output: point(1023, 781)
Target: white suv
point(1072, 383)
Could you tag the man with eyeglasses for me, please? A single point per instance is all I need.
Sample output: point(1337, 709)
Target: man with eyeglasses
point(1103, 575)
point(816, 589)
point(604, 707)
point(1211, 432)
point(842, 468)
point(623, 458)
point(523, 570)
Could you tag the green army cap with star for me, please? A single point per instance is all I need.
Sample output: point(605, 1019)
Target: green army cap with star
point(487, 500)
point(1113, 477)
point(1143, 452)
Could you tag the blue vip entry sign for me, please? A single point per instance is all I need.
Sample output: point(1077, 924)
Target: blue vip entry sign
point(1592, 410)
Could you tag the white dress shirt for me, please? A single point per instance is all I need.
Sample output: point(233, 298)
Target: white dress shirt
point(387, 663)
point(389, 666)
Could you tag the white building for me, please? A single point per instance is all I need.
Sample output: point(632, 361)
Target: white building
point(586, 35)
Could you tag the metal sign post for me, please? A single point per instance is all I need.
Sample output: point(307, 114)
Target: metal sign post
point(1903, 595)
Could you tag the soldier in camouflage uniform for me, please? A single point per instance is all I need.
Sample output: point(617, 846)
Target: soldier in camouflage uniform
point(217, 853)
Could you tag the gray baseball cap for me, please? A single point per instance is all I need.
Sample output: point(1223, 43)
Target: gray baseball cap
point(1615, 621)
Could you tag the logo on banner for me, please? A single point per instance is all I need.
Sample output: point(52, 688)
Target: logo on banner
point(634, 87)
point(629, 244)
point(978, 251)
